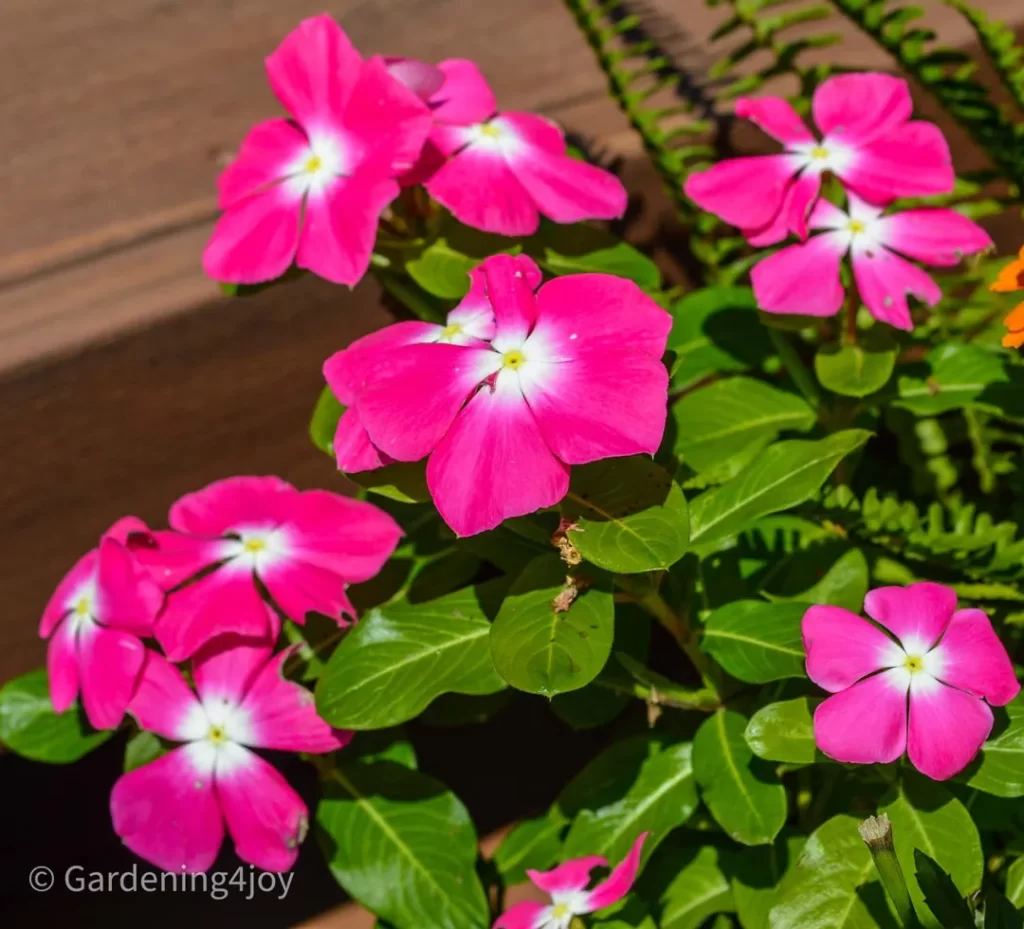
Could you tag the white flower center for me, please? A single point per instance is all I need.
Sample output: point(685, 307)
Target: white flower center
point(319, 165)
point(819, 157)
point(256, 548)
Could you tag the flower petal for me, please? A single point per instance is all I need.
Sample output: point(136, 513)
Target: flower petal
point(480, 190)
point(414, 393)
point(745, 192)
point(866, 723)
point(341, 226)
point(858, 108)
point(596, 313)
point(569, 877)
point(493, 463)
point(775, 116)
point(314, 70)
point(802, 279)
point(225, 668)
point(474, 314)
point(167, 813)
point(601, 405)
point(525, 915)
point(620, 881)
point(62, 666)
point(266, 818)
point(225, 601)
point(350, 538)
point(801, 197)
point(465, 98)
point(885, 280)
point(267, 155)
point(110, 664)
point(127, 597)
point(842, 648)
point(163, 703)
point(947, 727)
point(353, 449)
point(421, 78)
point(173, 558)
point(970, 656)
point(511, 297)
point(77, 583)
point(936, 237)
point(283, 716)
point(917, 614)
point(298, 588)
point(232, 503)
point(1011, 277)
point(911, 161)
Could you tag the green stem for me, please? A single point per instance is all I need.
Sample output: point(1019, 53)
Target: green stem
point(876, 831)
point(795, 367)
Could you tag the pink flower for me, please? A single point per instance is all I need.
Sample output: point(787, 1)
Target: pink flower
point(311, 189)
point(573, 374)
point(501, 171)
point(868, 141)
point(241, 533)
point(949, 661)
point(421, 78)
point(805, 279)
point(172, 811)
point(566, 885)
point(94, 620)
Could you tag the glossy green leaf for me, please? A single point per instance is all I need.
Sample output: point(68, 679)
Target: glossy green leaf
point(689, 884)
point(742, 792)
point(832, 573)
point(29, 727)
point(582, 249)
point(755, 873)
point(834, 884)
point(400, 656)
point(857, 370)
point(756, 641)
point(787, 473)
point(534, 844)
point(999, 768)
point(324, 422)
point(943, 897)
point(141, 749)
point(628, 515)
point(720, 421)
point(961, 374)
point(926, 816)
point(661, 797)
point(402, 844)
point(403, 481)
point(554, 630)
point(1015, 883)
point(442, 270)
point(716, 330)
point(784, 732)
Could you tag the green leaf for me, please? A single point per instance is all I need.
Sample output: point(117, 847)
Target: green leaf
point(742, 792)
point(926, 816)
point(324, 423)
point(29, 727)
point(404, 481)
point(831, 572)
point(755, 641)
point(401, 656)
point(716, 330)
point(940, 893)
point(554, 630)
point(689, 885)
point(784, 732)
point(786, 474)
point(1015, 883)
point(754, 875)
point(661, 797)
point(960, 374)
point(1000, 913)
point(580, 249)
point(403, 845)
point(142, 748)
point(442, 270)
point(534, 843)
point(627, 515)
point(834, 884)
point(999, 768)
point(382, 745)
point(857, 370)
point(719, 422)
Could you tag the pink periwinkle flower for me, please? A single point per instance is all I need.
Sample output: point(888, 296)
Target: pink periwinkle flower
point(94, 620)
point(236, 535)
point(922, 688)
point(311, 189)
point(501, 171)
point(172, 811)
point(567, 885)
point(804, 278)
point(571, 375)
point(868, 141)
point(421, 78)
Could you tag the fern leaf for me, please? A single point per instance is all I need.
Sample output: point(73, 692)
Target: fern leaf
point(1000, 45)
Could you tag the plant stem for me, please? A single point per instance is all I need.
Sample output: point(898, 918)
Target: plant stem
point(876, 831)
point(795, 367)
point(851, 318)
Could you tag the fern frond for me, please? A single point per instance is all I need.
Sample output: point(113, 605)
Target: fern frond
point(1000, 45)
point(947, 75)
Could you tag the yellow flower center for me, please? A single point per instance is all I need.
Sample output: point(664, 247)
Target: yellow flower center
point(82, 607)
point(449, 332)
point(513, 359)
point(493, 131)
point(819, 152)
point(914, 664)
point(855, 226)
point(314, 164)
point(560, 911)
point(254, 545)
point(217, 735)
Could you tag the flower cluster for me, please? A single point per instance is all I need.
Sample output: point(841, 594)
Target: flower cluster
point(311, 189)
point(879, 154)
point(240, 554)
point(916, 682)
point(1011, 280)
point(516, 388)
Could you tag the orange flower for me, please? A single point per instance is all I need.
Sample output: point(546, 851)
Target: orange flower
point(1011, 278)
